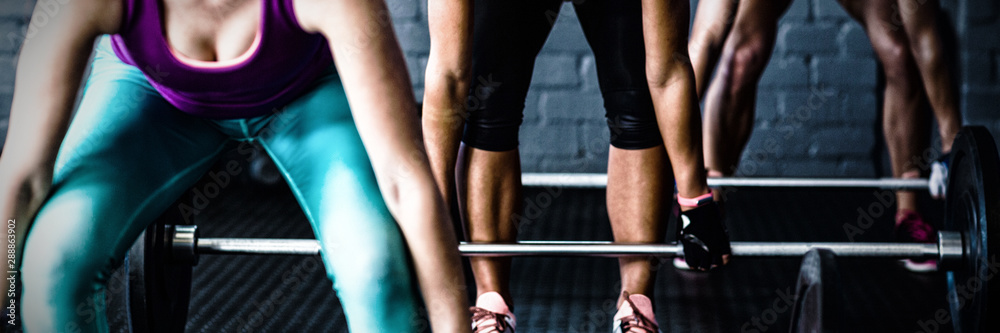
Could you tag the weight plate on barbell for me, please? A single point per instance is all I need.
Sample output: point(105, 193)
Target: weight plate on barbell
point(973, 207)
point(152, 290)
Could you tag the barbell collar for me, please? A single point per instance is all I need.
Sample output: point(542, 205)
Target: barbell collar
point(951, 249)
point(183, 244)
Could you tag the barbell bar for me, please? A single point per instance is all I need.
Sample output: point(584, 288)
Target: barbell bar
point(949, 250)
point(600, 180)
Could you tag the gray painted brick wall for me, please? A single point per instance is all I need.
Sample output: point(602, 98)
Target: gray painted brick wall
point(816, 109)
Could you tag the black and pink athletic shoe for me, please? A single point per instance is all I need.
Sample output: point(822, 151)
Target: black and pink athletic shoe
point(911, 228)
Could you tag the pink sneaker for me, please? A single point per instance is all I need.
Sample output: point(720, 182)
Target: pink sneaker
point(911, 228)
point(635, 316)
point(491, 315)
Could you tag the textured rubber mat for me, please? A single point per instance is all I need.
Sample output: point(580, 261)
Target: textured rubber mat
point(292, 294)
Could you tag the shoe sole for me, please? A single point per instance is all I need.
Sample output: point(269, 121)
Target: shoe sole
point(919, 267)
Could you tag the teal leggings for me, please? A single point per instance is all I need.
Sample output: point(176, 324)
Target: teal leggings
point(129, 155)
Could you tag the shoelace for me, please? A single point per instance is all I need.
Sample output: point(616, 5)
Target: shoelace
point(637, 322)
point(481, 321)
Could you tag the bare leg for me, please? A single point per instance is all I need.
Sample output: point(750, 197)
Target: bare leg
point(904, 125)
point(920, 20)
point(711, 26)
point(638, 199)
point(732, 95)
point(490, 199)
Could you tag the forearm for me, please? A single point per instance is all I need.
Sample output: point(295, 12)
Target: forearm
point(672, 86)
point(431, 240)
point(708, 34)
point(444, 116)
point(679, 121)
point(447, 86)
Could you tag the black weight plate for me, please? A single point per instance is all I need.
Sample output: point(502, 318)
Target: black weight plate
point(125, 282)
point(150, 293)
point(973, 207)
point(819, 303)
point(167, 284)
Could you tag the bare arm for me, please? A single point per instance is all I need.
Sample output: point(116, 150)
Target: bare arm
point(672, 85)
point(374, 74)
point(712, 21)
point(49, 70)
point(446, 87)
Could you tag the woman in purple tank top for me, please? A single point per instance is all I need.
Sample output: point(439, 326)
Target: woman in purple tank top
point(177, 83)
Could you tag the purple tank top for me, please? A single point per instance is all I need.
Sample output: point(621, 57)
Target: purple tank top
point(286, 62)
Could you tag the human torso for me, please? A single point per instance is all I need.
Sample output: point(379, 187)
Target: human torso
point(224, 58)
point(211, 32)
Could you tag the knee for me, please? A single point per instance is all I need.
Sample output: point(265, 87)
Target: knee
point(60, 271)
point(925, 51)
point(494, 128)
point(897, 63)
point(710, 38)
point(631, 119)
point(61, 288)
point(370, 270)
point(495, 111)
point(744, 63)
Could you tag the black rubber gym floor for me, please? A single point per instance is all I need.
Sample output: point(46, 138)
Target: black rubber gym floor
point(292, 294)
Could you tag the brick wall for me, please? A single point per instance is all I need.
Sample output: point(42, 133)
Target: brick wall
point(979, 30)
point(816, 111)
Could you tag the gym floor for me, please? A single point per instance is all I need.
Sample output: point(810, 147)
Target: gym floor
point(292, 294)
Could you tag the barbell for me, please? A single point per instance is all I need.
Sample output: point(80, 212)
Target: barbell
point(948, 250)
point(972, 222)
point(600, 180)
